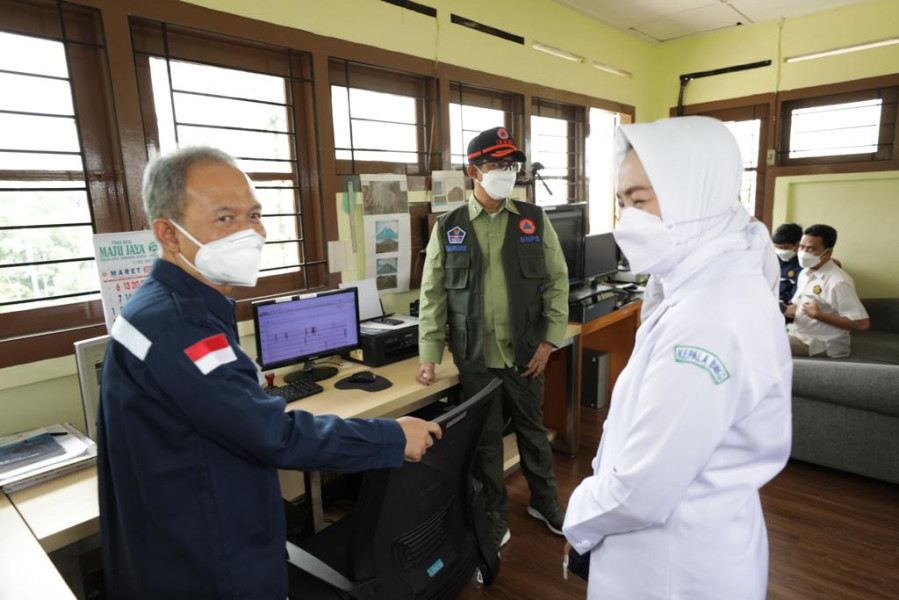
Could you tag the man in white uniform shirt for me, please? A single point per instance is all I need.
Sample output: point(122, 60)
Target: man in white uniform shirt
point(826, 306)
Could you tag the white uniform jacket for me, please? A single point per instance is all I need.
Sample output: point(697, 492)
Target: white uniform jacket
point(699, 421)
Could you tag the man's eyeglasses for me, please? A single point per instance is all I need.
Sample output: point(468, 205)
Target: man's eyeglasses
point(500, 164)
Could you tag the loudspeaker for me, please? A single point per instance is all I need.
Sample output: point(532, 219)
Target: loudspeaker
point(595, 378)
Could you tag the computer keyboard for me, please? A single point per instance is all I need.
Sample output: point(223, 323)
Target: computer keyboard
point(295, 391)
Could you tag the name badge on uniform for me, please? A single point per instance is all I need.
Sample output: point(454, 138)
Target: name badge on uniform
point(705, 360)
point(456, 235)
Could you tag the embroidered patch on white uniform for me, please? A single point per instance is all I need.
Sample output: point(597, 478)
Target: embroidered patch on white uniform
point(210, 353)
point(703, 359)
point(128, 335)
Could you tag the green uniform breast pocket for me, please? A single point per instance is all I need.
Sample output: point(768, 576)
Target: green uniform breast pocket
point(533, 266)
point(455, 270)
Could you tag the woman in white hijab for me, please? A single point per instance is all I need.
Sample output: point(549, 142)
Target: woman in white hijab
point(700, 417)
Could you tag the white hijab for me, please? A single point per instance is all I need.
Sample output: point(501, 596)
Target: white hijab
point(696, 170)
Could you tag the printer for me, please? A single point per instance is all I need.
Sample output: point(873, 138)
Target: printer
point(386, 341)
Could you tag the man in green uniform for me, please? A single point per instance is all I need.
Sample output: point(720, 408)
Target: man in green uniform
point(495, 273)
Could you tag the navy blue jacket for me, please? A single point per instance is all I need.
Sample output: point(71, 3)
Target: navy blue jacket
point(190, 505)
point(789, 275)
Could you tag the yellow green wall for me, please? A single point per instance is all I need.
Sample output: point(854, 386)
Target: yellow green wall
point(863, 209)
point(837, 28)
point(47, 391)
point(393, 28)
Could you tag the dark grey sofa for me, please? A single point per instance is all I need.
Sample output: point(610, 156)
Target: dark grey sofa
point(846, 411)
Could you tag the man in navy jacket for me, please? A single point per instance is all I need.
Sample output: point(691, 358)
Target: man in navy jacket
point(189, 443)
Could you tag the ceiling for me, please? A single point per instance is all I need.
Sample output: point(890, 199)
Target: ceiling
point(663, 20)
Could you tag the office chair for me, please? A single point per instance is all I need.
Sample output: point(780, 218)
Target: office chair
point(414, 532)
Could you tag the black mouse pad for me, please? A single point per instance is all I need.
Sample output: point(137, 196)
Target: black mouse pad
point(375, 386)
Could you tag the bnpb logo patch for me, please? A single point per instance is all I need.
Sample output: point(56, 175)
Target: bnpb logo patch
point(456, 235)
point(527, 226)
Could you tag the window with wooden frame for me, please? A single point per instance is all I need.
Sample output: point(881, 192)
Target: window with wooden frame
point(383, 120)
point(474, 109)
point(557, 144)
point(846, 127)
point(253, 101)
point(59, 173)
point(750, 125)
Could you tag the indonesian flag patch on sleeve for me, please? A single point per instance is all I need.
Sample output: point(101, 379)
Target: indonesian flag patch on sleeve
point(210, 353)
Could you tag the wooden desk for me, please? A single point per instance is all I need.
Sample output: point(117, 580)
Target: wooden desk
point(613, 333)
point(26, 571)
point(65, 510)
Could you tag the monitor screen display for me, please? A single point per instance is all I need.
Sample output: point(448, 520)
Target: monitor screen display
point(297, 329)
point(569, 221)
point(600, 255)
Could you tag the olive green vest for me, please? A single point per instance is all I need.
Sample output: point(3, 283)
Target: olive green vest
point(525, 267)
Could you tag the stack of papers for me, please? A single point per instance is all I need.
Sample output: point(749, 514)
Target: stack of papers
point(33, 456)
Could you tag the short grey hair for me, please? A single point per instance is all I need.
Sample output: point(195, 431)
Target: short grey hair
point(166, 178)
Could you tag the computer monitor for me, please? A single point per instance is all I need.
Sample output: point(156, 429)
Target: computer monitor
point(89, 357)
point(570, 223)
point(296, 330)
point(600, 255)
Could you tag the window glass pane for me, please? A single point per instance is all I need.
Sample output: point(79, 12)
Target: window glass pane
point(747, 134)
point(747, 190)
point(344, 155)
point(458, 147)
point(476, 118)
point(35, 94)
point(466, 122)
point(192, 77)
point(162, 105)
point(237, 143)
point(341, 117)
point(265, 166)
point(385, 156)
point(278, 255)
point(40, 281)
point(52, 243)
point(276, 201)
point(21, 132)
point(370, 135)
point(559, 188)
point(366, 104)
point(42, 208)
point(598, 166)
point(205, 110)
point(835, 129)
point(280, 228)
point(32, 55)
point(549, 126)
point(31, 161)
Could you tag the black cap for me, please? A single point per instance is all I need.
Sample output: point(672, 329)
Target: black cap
point(492, 144)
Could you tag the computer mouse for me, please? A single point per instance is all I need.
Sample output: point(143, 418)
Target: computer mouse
point(363, 377)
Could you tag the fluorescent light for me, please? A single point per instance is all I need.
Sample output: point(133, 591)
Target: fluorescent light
point(611, 69)
point(845, 50)
point(557, 52)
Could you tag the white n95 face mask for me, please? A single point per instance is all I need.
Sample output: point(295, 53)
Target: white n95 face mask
point(807, 260)
point(647, 242)
point(784, 254)
point(231, 260)
point(498, 183)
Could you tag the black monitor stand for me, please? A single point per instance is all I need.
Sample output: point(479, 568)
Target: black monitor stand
point(310, 372)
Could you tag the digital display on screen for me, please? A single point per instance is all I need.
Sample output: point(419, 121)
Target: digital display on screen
point(600, 255)
point(569, 224)
point(304, 328)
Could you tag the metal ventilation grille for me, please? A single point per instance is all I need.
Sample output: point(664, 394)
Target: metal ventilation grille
point(487, 29)
point(414, 6)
